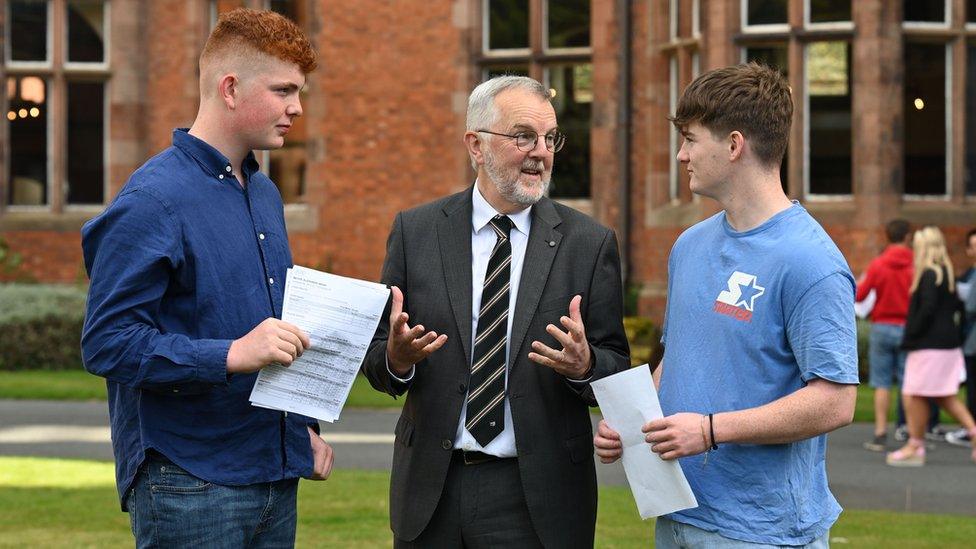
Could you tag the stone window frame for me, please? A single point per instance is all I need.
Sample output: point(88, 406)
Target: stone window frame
point(956, 34)
point(797, 35)
point(538, 58)
point(683, 52)
point(57, 71)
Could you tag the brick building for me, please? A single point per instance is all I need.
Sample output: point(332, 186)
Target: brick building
point(883, 89)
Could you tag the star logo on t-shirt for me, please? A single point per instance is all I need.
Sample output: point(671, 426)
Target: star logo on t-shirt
point(739, 300)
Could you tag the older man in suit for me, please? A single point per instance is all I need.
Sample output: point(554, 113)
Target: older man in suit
point(493, 445)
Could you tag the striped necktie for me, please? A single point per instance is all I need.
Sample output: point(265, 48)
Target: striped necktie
point(485, 409)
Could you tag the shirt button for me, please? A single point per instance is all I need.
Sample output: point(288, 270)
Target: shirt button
point(227, 169)
point(221, 176)
point(447, 444)
point(261, 236)
point(270, 281)
point(461, 388)
point(176, 390)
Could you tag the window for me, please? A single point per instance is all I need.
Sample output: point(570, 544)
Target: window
point(773, 55)
point(674, 138)
point(287, 166)
point(828, 91)
point(926, 131)
point(764, 13)
point(42, 173)
point(926, 11)
point(971, 12)
point(548, 40)
point(828, 12)
point(970, 174)
point(684, 64)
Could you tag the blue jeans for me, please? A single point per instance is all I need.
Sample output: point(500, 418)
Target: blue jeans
point(169, 507)
point(669, 534)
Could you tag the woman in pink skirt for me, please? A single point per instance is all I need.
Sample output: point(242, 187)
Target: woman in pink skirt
point(935, 361)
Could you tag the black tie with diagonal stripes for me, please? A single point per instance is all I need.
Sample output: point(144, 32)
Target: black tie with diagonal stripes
point(486, 410)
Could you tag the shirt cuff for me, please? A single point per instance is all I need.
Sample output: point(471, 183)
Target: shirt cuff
point(583, 381)
point(211, 360)
point(407, 379)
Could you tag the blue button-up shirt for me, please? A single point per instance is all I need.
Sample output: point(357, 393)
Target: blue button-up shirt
point(181, 263)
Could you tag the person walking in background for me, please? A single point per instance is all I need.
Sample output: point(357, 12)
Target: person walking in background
point(935, 361)
point(967, 292)
point(890, 276)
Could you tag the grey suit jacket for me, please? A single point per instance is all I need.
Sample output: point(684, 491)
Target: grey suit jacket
point(429, 258)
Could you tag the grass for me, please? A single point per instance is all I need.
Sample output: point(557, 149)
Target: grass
point(61, 503)
point(80, 385)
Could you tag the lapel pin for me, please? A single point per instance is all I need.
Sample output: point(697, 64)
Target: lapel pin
point(552, 243)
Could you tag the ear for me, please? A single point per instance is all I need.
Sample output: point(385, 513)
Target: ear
point(474, 144)
point(737, 145)
point(228, 90)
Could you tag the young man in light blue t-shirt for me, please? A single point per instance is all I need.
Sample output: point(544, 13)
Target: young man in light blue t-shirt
point(760, 348)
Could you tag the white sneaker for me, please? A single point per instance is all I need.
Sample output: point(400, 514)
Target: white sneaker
point(959, 437)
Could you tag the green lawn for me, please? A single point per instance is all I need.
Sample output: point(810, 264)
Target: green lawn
point(72, 503)
point(80, 385)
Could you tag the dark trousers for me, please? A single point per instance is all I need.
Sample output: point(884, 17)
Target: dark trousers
point(971, 384)
point(482, 506)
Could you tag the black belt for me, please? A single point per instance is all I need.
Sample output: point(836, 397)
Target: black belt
point(475, 458)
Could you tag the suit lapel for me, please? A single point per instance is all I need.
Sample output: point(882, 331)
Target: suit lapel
point(543, 243)
point(454, 238)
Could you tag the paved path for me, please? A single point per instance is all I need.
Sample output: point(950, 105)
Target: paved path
point(859, 479)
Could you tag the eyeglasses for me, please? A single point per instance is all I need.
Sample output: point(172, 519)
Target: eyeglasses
point(526, 141)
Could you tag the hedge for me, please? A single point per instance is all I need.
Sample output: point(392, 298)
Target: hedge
point(40, 326)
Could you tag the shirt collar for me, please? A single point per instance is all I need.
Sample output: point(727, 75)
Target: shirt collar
point(208, 157)
point(482, 212)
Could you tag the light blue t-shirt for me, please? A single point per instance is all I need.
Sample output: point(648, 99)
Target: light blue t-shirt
point(751, 317)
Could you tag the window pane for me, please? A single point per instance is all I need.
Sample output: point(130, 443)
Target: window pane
point(766, 12)
point(928, 11)
point(569, 23)
point(508, 24)
point(829, 88)
point(925, 123)
point(830, 11)
point(288, 8)
point(574, 97)
point(287, 170)
point(774, 56)
point(28, 30)
point(971, 11)
point(971, 123)
point(86, 31)
point(86, 142)
point(27, 121)
point(505, 70)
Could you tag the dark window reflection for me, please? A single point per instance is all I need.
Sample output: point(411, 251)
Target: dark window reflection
point(569, 23)
point(766, 12)
point(506, 70)
point(830, 11)
point(508, 24)
point(829, 88)
point(27, 120)
point(971, 11)
point(86, 142)
point(970, 175)
point(928, 11)
point(287, 170)
point(286, 8)
point(28, 30)
point(925, 124)
point(774, 56)
point(85, 28)
point(574, 97)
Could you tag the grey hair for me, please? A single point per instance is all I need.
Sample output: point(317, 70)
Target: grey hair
point(482, 112)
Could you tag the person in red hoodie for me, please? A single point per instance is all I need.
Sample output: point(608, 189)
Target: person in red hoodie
point(890, 276)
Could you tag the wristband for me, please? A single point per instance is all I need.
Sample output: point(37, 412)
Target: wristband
point(711, 431)
point(704, 440)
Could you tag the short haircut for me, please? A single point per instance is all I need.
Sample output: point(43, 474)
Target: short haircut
point(896, 230)
point(481, 103)
point(264, 31)
point(750, 98)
